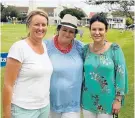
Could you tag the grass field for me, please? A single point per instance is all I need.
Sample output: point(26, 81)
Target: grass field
point(12, 33)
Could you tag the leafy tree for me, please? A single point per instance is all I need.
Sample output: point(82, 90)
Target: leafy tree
point(22, 17)
point(124, 6)
point(1, 6)
point(129, 21)
point(120, 13)
point(75, 12)
point(12, 11)
point(8, 12)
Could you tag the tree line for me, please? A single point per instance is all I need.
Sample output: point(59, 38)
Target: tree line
point(10, 13)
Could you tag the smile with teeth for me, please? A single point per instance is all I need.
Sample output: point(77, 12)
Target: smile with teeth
point(40, 32)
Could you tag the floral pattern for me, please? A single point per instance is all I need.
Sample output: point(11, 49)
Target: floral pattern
point(104, 76)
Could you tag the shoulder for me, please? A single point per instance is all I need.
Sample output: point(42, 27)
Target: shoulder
point(18, 50)
point(18, 45)
point(79, 47)
point(48, 42)
point(19, 42)
point(117, 50)
point(115, 46)
point(79, 44)
point(49, 45)
point(86, 46)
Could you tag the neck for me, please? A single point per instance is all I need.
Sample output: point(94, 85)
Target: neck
point(34, 41)
point(98, 46)
point(63, 44)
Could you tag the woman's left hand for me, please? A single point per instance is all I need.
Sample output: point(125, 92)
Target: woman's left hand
point(116, 107)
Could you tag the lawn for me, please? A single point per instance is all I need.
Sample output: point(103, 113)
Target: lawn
point(12, 33)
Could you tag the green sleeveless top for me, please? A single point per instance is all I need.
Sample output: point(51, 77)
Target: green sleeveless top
point(105, 77)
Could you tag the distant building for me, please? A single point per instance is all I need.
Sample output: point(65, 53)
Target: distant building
point(116, 22)
point(91, 14)
point(54, 19)
point(49, 10)
point(24, 10)
point(85, 20)
point(57, 11)
point(32, 5)
point(53, 12)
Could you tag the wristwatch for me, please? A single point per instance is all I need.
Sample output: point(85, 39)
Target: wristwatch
point(118, 99)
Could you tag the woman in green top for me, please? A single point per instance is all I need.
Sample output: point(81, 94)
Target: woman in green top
point(105, 82)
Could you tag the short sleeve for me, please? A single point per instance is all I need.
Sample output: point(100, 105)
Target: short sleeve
point(121, 75)
point(16, 52)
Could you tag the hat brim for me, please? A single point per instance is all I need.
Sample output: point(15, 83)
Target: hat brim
point(68, 26)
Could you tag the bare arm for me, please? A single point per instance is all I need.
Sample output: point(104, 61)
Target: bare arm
point(11, 72)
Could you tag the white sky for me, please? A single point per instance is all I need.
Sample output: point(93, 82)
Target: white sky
point(55, 3)
point(43, 2)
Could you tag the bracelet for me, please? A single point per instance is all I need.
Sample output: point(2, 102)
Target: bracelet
point(118, 99)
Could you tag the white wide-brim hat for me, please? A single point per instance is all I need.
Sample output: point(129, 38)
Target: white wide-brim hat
point(69, 21)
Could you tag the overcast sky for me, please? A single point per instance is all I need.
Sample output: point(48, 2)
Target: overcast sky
point(55, 3)
point(44, 2)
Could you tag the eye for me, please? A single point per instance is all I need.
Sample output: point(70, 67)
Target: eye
point(36, 24)
point(72, 32)
point(101, 29)
point(44, 25)
point(93, 29)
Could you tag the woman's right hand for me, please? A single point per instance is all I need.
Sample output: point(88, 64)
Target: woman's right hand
point(116, 107)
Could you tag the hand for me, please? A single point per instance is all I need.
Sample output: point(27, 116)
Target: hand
point(116, 107)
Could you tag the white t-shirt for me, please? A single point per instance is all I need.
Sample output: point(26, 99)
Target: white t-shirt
point(31, 88)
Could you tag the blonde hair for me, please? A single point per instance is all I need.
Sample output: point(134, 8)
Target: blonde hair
point(33, 13)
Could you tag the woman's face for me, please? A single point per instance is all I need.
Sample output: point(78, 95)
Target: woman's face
point(38, 26)
point(98, 31)
point(66, 34)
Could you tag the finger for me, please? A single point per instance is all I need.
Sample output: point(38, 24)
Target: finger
point(116, 111)
point(113, 111)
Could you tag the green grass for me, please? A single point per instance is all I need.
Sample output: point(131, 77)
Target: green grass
point(12, 33)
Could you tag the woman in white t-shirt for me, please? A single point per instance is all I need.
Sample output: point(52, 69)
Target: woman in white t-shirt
point(28, 71)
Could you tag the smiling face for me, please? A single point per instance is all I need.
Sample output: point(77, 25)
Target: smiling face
point(98, 31)
point(38, 27)
point(66, 34)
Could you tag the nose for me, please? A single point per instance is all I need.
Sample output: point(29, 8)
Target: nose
point(97, 32)
point(40, 27)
